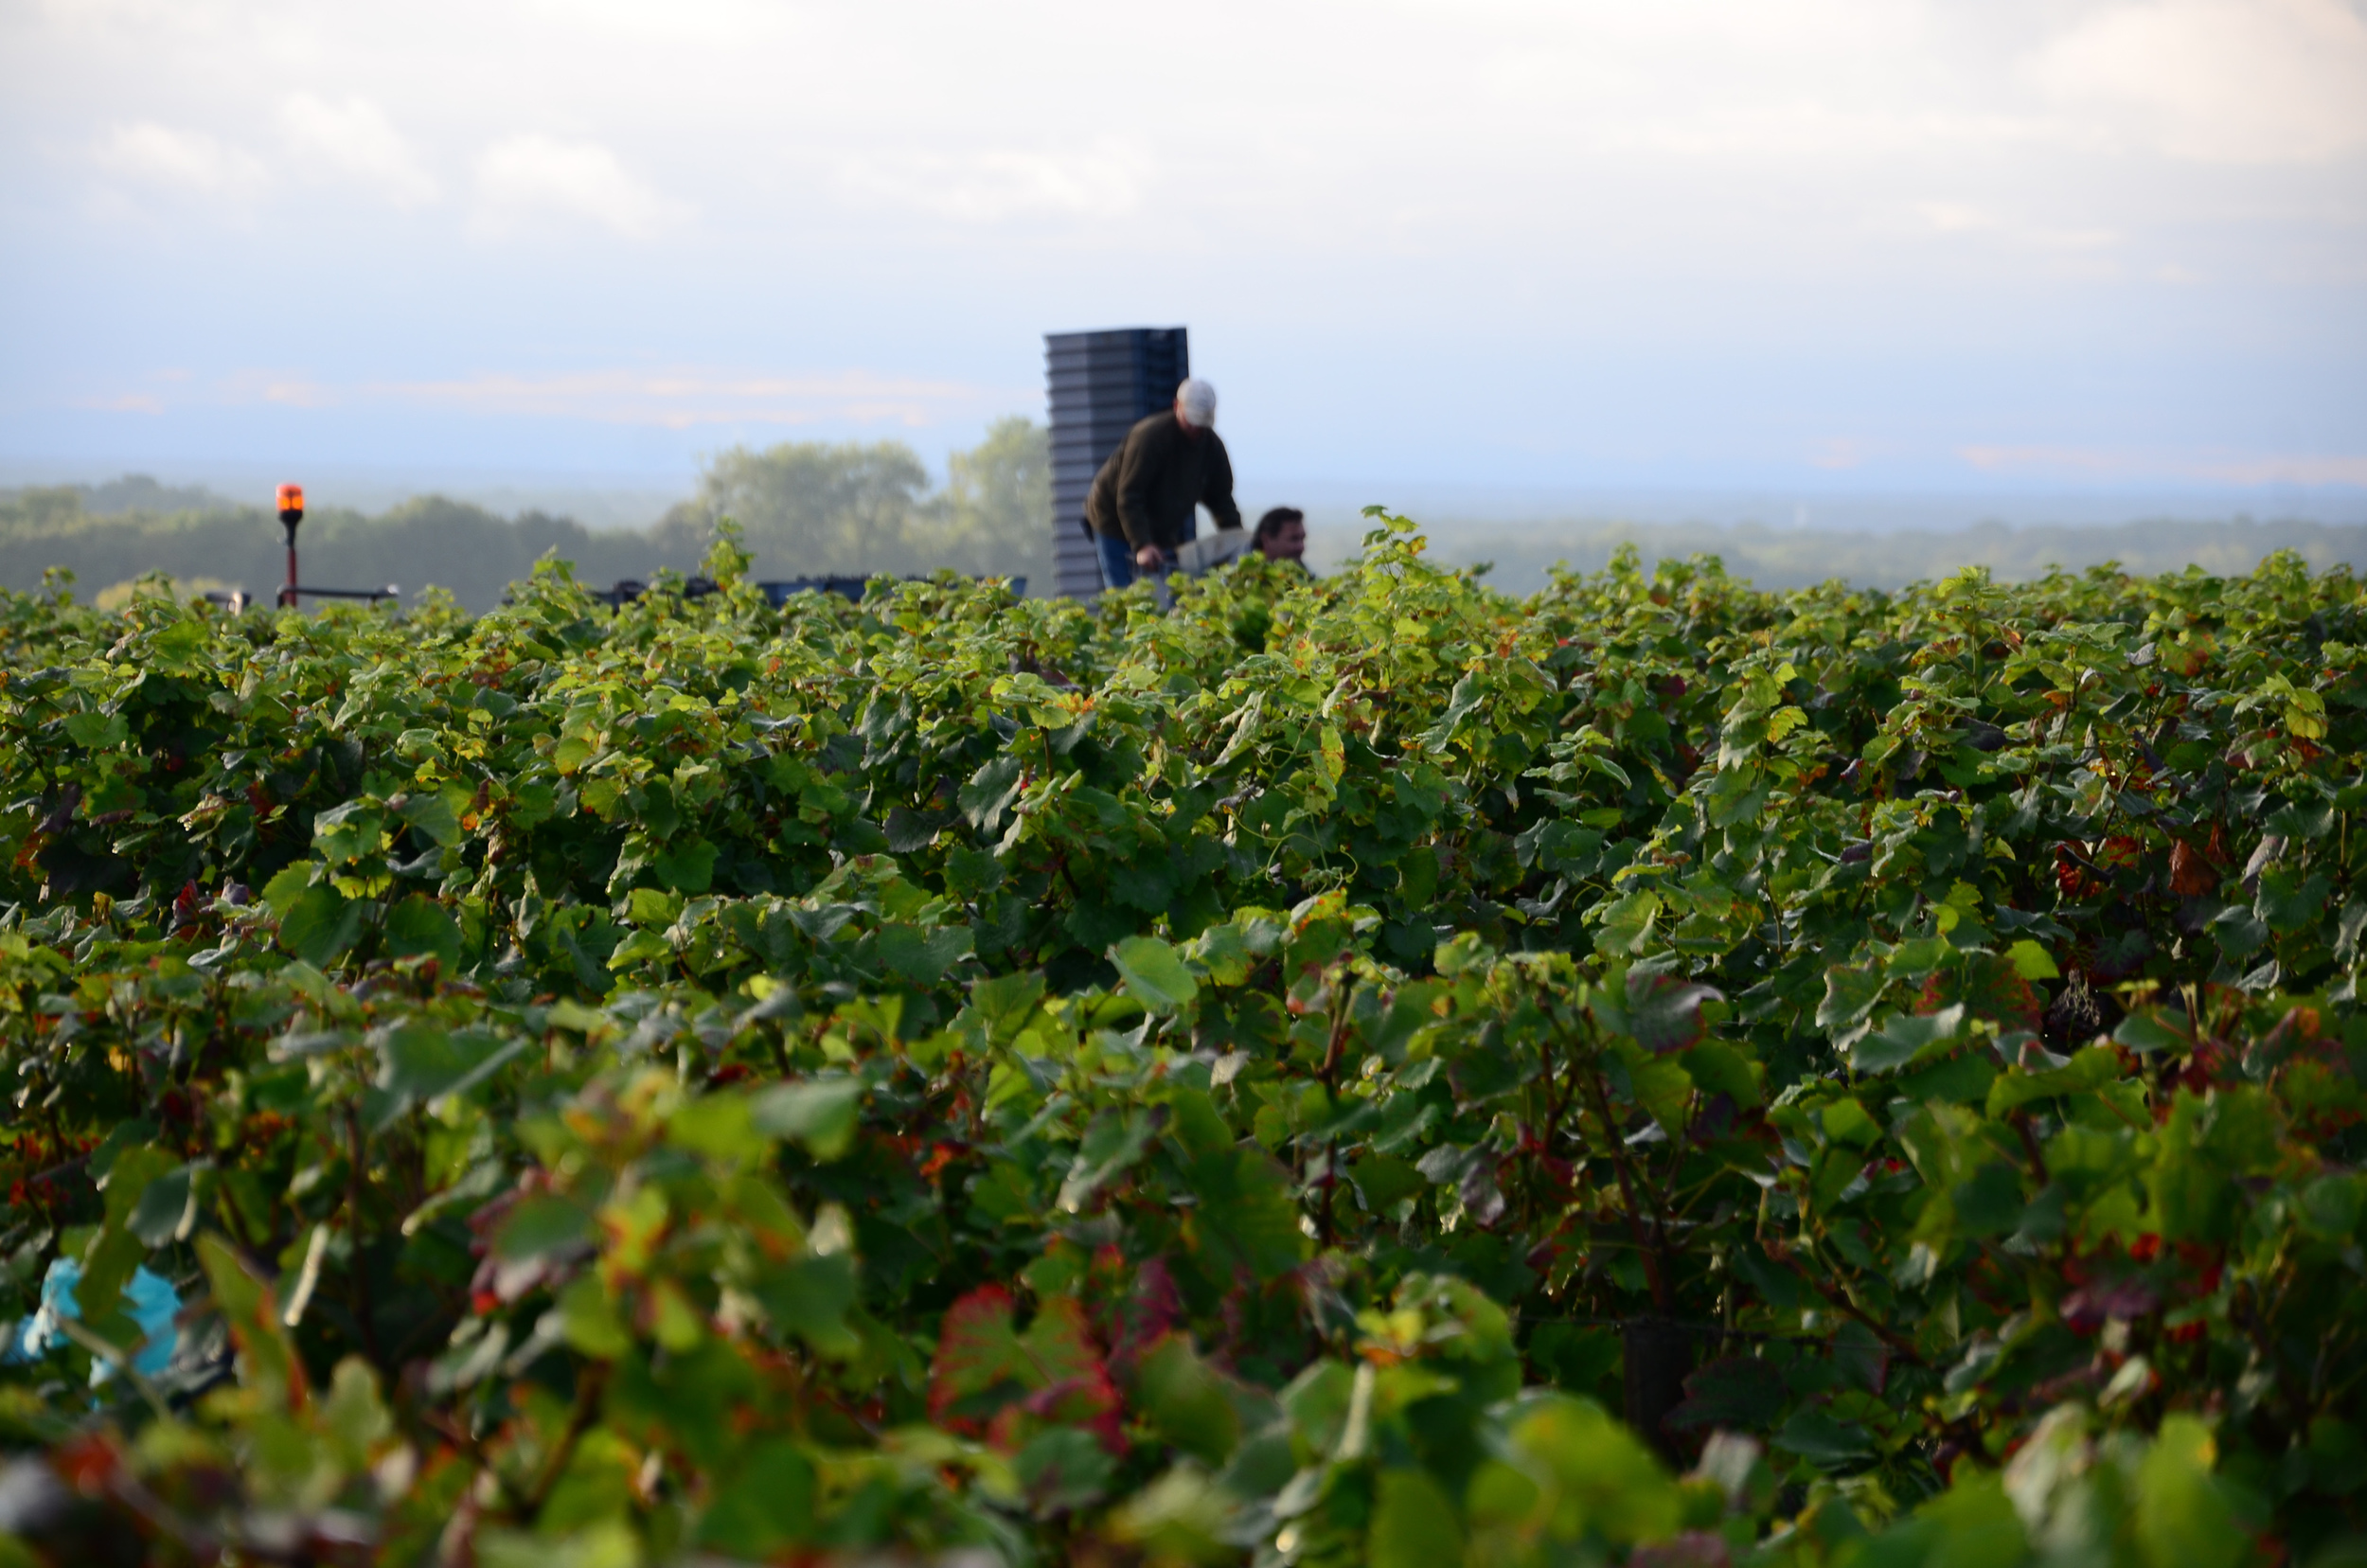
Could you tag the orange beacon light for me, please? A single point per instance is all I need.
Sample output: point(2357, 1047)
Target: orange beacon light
point(291, 513)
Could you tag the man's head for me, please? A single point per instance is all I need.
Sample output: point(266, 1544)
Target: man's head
point(1281, 535)
point(1196, 404)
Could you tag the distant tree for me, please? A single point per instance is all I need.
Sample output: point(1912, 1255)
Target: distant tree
point(39, 509)
point(140, 492)
point(811, 507)
point(817, 507)
point(805, 508)
point(998, 502)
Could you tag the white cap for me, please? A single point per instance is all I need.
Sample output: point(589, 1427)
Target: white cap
point(1198, 402)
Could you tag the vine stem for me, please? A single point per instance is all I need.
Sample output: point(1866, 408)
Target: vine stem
point(1653, 1248)
point(1839, 1298)
point(458, 1436)
point(1330, 1076)
point(1555, 1103)
point(2030, 1147)
point(358, 1277)
point(579, 1421)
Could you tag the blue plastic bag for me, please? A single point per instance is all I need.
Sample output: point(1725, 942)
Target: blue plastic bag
point(152, 1300)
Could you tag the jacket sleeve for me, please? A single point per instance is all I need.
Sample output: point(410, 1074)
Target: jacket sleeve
point(1101, 500)
point(1135, 462)
point(1217, 495)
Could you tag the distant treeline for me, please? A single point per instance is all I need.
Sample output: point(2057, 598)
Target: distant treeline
point(806, 509)
point(451, 544)
point(814, 509)
point(1523, 556)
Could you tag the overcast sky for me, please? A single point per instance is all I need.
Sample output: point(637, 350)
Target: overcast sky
point(1690, 242)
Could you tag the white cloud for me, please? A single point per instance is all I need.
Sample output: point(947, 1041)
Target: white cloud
point(1944, 222)
point(287, 388)
point(682, 399)
point(1965, 219)
point(988, 186)
point(2222, 80)
point(541, 176)
point(190, 162)
point(122, 403)
point(354, 142)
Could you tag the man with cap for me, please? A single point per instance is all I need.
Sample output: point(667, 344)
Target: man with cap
point(1143, 499)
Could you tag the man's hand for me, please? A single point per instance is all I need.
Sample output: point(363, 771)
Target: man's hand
point(1149, 558)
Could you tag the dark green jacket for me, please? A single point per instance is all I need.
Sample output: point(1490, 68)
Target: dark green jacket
point(1147, 488)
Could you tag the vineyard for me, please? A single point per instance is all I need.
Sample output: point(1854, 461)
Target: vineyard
point(1358, 1070)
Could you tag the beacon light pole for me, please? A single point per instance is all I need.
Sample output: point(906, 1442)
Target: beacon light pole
point(291, 513)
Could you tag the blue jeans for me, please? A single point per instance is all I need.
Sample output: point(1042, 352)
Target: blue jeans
point(1117, 556)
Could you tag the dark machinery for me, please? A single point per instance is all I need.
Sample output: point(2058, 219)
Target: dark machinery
point(291, 513)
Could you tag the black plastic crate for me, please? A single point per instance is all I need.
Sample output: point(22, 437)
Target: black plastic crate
point(1099, 385)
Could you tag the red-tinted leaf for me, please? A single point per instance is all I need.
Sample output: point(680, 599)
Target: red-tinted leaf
point(2191, 875)
point(988, 1373)
point(2085, 1310)
point(1989, 986)
point(1665, 1011)
point(1153, 1309)
point(1059, 1344)
point(980, 1363)
point(1089, 1401)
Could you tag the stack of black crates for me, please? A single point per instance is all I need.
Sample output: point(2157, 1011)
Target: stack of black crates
point(1100, 383)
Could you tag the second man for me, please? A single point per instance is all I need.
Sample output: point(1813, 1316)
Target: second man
point(1144, 500)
